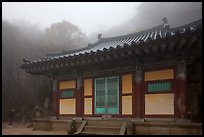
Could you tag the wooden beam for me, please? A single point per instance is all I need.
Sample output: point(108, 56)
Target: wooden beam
point(56, 65)
point(129, 53)
point(108, 57)
point(71, 63)
point(83, 62)
point(138, 51)
point(78, 62)
point(52, 65)
point(89, 60)
point(66, 64)
point(61, 64)
point(101, 58)
point(171, 45)
point(115, 56)
point(181, 43)
point(96, 59)
point(146, 50)
point(164, 46)
point(191, 42)
point(154, 49)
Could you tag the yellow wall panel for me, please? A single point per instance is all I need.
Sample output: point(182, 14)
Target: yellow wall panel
point(67, 106)
point(127, 83)
point(88, 106)
point(126, 105)
point(67, 84)
point(156, 104)
point(159, 75)
point(88, 87)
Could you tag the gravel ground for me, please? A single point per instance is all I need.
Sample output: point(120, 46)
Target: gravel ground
point(20, 129)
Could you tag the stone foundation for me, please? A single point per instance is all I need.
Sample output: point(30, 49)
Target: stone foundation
point(137, 127)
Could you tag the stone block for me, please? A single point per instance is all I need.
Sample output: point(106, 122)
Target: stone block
point(59, 126)
point(141, 130)
point(180, 131)
point(159, 131)
point(196, 131)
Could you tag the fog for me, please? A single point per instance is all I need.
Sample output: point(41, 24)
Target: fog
point(88, 16)
point(150, 14)
point(31, 33)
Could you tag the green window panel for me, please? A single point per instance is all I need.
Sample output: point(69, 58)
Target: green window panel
point(100, 110)
point(66, 94)
point(159, 87)
point(107, 95)
point(112, 110)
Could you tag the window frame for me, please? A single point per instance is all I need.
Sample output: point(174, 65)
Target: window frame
point(171, 81)
point(69, 89)
point(106, 84)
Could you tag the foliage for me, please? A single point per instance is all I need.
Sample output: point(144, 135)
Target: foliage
point(20, 39)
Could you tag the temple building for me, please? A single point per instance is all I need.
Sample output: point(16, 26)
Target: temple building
point(155, 73)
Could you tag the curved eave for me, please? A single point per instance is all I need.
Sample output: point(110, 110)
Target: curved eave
point(141, 48)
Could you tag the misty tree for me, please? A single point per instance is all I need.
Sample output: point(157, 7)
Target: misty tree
point(150, 14)
point(20, 39)
point(64, 36)
point(19, 89)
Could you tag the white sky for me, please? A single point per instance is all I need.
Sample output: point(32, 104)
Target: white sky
point(88, 16)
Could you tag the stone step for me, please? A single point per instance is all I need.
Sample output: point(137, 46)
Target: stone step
point(96, 133)
point(104, 123)
point(102, 129)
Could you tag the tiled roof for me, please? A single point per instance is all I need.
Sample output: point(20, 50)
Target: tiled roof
point(105, 44)
point(150, 34)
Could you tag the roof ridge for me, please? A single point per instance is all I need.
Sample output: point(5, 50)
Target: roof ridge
point(133, 34)
point(195, 22)
point(106, 39)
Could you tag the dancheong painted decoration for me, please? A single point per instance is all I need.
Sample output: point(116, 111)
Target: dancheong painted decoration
point(144, 74)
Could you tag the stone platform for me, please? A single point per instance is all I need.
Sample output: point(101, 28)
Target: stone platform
point(136, 126)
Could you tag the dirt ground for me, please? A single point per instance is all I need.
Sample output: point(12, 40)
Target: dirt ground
point(20, 129)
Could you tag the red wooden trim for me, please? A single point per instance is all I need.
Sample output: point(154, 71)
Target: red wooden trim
point(73, 115)
point(176, 98)
point(120, 95)
point(76, 97)
point(174, 90)
point(67, 79)
point(158, 81)
point(134, 104)
point(163, 80)
point(162, 68)
point(112, 115)
point(181, 104)
point(63, 80)
point(55, 102)
point(88, 96)
point(60, 92)
point(165, 92)
point(142, 113)
point(138, 102)
point(93, 96)
point(127, 94)
point(82, 100)
point(159, 116)
point(78, 102)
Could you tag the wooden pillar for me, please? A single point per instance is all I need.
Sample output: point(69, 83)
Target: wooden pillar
point(79, 94)
point(138, 91)
point(55, 97)
point(181, 89)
